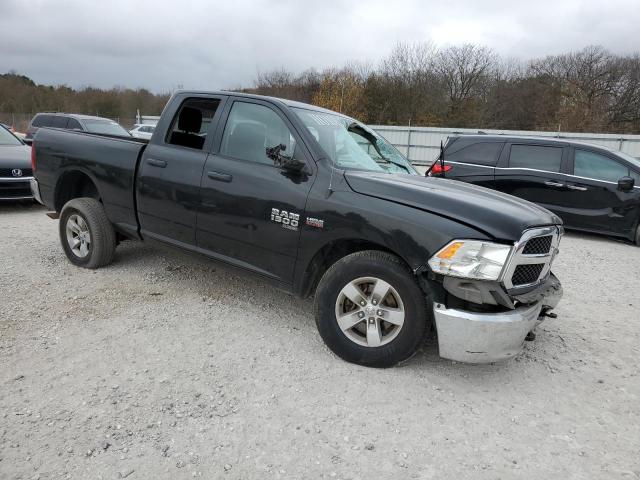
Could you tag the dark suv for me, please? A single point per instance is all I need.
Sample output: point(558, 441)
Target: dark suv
point(72, 121)
point(591, 188)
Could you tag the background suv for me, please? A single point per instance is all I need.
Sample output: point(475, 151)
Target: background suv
point(72, 121)
point(591, 188)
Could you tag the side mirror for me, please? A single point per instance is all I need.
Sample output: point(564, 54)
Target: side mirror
point(293, 165)
point(27, 141)
point(626, 184)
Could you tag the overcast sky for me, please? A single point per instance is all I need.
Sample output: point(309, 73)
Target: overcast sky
point(161, 44)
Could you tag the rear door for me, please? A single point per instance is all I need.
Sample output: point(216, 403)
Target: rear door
point(472, 161)
point(170, 171)
point(594, 195)
point(536, 172)
point(251, 208)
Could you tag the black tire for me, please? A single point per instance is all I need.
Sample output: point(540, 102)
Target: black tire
point(392, 270)
point(102, 246)
point(638, 236)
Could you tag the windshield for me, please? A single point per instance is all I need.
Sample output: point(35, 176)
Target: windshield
point(353, 145)
point(7, 138)
point(108, 127)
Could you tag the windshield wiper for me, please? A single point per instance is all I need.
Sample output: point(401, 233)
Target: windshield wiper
point(354, 127)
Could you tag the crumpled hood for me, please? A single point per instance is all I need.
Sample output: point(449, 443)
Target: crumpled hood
point(502, 216)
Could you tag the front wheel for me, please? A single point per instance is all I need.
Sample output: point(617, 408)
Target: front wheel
point(370, 310)
point(86, 234)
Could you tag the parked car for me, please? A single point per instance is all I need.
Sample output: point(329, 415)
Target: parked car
point(590, 187)
point(142, 131)
point(314, 202)
point(72, 121)
point(15, 167)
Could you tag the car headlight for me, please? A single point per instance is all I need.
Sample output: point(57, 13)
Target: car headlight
point(471, 259)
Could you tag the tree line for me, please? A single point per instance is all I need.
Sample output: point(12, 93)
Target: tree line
point(591, 90)
point(21, 95)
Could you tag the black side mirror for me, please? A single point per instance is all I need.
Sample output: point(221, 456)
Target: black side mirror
point(27, 141)
point(626, 183)
point(293, 165)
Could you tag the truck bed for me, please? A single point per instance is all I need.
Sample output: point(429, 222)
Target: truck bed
point(109, 161)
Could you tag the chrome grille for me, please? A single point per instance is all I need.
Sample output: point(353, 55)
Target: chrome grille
point(538, 245)
point(532, 256)
point(524, 274)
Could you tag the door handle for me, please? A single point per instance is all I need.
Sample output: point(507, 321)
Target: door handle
point(156, 163)
point(577, 187)
point(551, 183)
point(221, 177)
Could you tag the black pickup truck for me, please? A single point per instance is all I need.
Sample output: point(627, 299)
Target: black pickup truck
point(316, 203)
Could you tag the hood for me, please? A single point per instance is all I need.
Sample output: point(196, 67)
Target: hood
point(502, 216)
point(15, 156)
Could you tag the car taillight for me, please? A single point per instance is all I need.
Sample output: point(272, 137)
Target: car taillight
point(33, 157)
point(438, 168)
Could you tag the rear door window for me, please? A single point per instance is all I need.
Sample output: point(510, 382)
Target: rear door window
point(60, 122)
point(74, 124)
point(593, 165)
point(481, 153)
point(536, 157)
point(191, 124)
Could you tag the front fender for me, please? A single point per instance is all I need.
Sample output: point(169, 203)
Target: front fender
point(346, 216)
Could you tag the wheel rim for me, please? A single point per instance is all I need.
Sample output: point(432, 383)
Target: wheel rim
point(369, 311)
point(78, 236)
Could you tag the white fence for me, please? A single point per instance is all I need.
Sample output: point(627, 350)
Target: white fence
point(421, 145)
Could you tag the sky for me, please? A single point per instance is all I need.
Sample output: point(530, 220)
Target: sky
point(198, 44)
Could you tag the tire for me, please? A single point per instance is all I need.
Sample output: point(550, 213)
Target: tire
point(385, 344)
point(638, 236)
point(86, 234)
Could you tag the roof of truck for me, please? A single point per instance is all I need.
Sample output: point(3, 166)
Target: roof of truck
point(289, 103)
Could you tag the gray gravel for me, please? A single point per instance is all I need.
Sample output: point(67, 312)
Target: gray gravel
point(165, 365)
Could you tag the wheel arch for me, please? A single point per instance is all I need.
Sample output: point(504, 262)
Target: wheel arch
point(74, 184)
point(330, 253)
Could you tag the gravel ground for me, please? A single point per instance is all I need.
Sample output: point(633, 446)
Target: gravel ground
point(165, 365)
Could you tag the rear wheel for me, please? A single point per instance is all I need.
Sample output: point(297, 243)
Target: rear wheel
point(370, 310)
point(86, 234)
point(638, 236)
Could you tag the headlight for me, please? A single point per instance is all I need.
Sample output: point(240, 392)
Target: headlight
point(471, 259)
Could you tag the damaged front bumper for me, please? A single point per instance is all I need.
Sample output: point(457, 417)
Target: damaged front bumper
point(473, 337)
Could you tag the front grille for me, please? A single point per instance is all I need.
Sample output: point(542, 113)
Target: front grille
point(538, 245)
point(6, 172)
point(527, 273)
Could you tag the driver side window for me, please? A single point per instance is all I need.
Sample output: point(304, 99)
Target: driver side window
point(257, 134)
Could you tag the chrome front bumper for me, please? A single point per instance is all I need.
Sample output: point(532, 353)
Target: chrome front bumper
point(487, 337)
point(35, 190)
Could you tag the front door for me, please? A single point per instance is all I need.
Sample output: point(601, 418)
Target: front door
point(170, 172)
point(594, 195)
point(251, 209)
